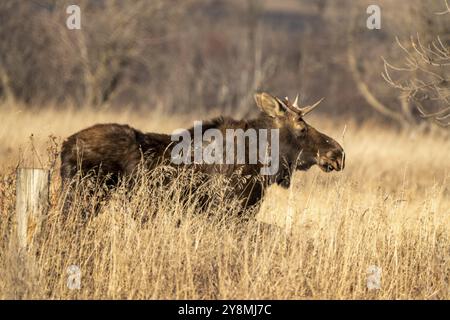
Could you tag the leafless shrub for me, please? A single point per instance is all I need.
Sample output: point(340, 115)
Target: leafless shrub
point(42, 60)
point(423, 77)
point(427, 70)
point(180, 54)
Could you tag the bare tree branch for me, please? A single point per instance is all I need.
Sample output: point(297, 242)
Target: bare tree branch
point(364, 89)
point(427, 72)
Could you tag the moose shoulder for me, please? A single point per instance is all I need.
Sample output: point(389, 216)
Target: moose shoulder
point(115, 151)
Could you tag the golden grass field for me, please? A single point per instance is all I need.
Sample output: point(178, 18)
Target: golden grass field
point(389, 208)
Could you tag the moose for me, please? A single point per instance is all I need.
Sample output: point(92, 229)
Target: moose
point(115, 151)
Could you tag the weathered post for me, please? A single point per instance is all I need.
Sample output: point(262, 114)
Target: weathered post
point(32, 199)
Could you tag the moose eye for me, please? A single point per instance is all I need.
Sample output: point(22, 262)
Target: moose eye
point(300, 127)
point(302, 131)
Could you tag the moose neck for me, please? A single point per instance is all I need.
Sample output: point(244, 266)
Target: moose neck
point(263, 121)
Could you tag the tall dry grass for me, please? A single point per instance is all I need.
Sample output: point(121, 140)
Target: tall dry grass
point(390, 208)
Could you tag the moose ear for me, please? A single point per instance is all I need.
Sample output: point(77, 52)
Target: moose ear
point(269, 105)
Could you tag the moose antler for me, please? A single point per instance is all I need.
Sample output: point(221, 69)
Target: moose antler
point(303, 111)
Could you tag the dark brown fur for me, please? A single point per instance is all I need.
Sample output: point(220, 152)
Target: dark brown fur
point(117, 150)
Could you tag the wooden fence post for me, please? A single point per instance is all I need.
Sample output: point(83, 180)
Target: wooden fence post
point(32, 199)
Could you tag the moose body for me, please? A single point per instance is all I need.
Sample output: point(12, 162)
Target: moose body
point(115, 151)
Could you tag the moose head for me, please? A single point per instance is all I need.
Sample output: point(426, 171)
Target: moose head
point(301, 145)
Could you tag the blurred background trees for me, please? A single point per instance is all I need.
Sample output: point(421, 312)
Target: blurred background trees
point(413, 64)
point(423, 77)
point(182, 55)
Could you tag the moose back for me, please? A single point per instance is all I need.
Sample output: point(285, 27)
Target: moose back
point(114, 151)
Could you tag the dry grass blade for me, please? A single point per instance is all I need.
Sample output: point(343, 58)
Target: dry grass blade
point(145, 243)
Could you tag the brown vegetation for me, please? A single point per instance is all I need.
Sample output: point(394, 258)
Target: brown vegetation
point(159, 65)
point(389, 208)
